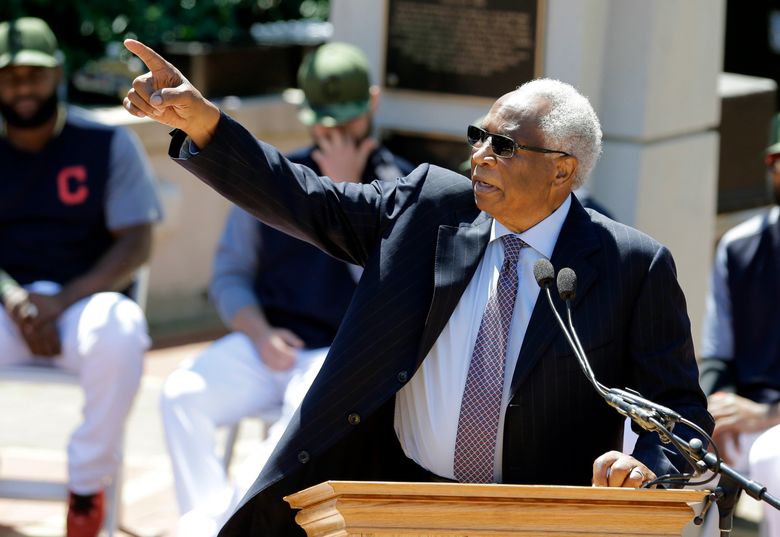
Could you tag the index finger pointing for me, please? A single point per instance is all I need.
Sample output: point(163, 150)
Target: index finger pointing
point(152, 60)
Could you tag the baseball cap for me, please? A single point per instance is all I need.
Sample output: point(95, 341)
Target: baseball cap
point(335, 83)
point(27, 41)
point(772, 152)
point(774, 139)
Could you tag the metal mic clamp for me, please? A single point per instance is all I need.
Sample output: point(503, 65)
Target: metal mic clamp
point(646, 418)
point(710, 500)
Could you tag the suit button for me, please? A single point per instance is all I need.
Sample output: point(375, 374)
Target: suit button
point(303, 457)
point(353, 418)
point(402, 376)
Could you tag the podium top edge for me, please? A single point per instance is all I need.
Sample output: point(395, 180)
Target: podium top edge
point(334, 489)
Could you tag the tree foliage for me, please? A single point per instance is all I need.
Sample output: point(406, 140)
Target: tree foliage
point(90, 29)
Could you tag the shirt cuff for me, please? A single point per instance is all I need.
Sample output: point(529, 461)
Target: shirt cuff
point(230, 302)
point(182, 147)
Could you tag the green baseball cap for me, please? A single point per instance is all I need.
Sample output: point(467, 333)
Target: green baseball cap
point(27, 41)
point(335, 83)
point(774, 137)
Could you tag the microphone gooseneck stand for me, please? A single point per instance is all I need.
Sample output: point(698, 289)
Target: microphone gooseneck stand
point(657, 418)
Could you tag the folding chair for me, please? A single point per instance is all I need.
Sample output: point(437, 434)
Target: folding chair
point(47, 373)
point(266, 420)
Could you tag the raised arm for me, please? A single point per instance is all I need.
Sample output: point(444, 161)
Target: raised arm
point(345, 220)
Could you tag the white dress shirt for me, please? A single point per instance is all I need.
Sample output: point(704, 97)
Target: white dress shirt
point(428, 407)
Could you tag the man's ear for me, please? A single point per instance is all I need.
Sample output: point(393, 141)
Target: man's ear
point(375, 94)
point(565, 167)
point(60, 74)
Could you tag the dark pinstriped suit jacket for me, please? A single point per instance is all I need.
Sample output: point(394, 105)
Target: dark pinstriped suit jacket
point(420, 241)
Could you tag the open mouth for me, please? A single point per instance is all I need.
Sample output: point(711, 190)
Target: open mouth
point(481, 187)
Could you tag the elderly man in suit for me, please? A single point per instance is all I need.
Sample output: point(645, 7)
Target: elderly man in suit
point(448, 364)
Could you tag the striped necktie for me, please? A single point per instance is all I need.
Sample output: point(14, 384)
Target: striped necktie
point(475, 443)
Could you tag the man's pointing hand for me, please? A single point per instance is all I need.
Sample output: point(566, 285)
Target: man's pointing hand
point(165, 96)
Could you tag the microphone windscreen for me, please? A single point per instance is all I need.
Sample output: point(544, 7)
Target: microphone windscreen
point(567, 284)
point(544, 273)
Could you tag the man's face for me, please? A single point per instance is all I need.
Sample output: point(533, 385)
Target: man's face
point(773, 169)
point(522, 190)
point(28, 94)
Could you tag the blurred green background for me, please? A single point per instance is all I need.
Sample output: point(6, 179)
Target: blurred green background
point(90, 32)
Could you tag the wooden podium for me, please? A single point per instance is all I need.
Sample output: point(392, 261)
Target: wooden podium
point(359, 508)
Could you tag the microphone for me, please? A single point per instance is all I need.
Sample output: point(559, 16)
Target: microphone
point(642, 411)
point(650, 415)
point(567, 290)
point(567, 284)
point(544, 273)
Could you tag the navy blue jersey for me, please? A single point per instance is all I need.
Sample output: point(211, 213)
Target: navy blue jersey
point(52, 214)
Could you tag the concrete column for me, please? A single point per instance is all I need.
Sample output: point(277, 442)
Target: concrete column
point(574, 40)
point(362, 23)
point(660, 67)
point(659, 106)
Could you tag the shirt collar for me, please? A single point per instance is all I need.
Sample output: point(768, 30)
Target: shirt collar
point(541, 237)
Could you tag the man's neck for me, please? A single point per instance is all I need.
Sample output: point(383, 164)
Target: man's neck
point(31, 140)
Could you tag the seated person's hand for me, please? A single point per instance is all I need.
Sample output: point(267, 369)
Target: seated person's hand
point(43, 339)
point(278, 347)
point(616, 469)
point(340, 157)
point(19, 306)
point(40, 330)
point(48, 307)
point(733, 416)
point(734, 413)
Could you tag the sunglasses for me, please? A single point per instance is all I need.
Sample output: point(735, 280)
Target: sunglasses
point(501, 145)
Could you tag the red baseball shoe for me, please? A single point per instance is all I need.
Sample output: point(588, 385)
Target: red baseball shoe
point(85, 514)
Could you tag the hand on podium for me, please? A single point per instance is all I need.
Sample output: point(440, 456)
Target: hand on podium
point(616, 469)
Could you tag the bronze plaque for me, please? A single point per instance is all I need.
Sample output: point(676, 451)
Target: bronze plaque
point(466, 47)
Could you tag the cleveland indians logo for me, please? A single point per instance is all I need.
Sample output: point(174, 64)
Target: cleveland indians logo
point(72, 185)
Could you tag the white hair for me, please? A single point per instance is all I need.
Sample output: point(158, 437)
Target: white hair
point(569, 124)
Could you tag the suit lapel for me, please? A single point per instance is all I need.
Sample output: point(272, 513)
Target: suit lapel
point(577, 241)
point(458, 252)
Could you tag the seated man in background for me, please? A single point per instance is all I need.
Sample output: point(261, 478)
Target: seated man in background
point(77, 204)
point(283, 298)
point(740, 370)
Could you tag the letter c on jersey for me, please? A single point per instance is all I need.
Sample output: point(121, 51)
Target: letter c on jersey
point(71, 185)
